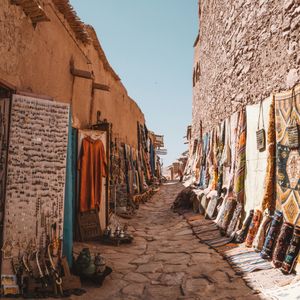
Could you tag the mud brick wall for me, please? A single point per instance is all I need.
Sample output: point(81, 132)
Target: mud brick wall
point(36, 59)
point(247, 49)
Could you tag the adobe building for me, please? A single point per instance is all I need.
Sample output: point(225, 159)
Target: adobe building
point(245, 50)
point(70, 174)
point(46, 50)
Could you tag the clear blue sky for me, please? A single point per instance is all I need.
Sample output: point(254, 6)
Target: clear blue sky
point(149, 43)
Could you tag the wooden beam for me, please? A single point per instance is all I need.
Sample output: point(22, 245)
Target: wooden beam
point(7, 85)
point(102, 87)
point(81, 73)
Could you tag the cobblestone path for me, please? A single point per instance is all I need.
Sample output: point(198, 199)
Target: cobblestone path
point(165, 260)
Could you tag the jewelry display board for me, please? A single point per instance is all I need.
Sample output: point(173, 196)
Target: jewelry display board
point(35, 186)
point(4, 122)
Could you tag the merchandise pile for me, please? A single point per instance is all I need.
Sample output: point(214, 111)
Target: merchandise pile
point(245, 190)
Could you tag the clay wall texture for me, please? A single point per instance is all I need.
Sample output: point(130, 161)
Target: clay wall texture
point(247, 49)
point(37, 60)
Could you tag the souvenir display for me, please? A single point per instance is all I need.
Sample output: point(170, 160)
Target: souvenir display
point(260, 133)
point(34, 206)
point(236, 160)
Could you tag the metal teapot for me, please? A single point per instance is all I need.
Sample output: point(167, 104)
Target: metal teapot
point(84, 264)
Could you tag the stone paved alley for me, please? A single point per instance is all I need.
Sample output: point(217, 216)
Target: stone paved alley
point(165, 260)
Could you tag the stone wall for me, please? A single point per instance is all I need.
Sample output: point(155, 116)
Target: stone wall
point(36, 59)
point(247, 49)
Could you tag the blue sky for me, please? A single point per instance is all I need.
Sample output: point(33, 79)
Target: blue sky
point(149, 43)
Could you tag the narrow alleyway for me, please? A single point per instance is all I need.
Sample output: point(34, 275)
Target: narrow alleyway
point(165, 260)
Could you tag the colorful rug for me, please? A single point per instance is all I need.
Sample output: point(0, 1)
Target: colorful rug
point(272, 235)
point(287, 108)
point(253, 228)
point(239, 177)
point(282, 245)
point(269, 201)
point(242, 234)
point(260, 237)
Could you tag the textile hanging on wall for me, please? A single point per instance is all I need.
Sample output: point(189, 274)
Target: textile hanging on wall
point(239, 177)
point(256, 160)
point(230, 171)
point(36, 173)
point(92, 166)
point(95, 189)
point(269, 190)
point(203, 161)
point(226, 153)
point(287, 108)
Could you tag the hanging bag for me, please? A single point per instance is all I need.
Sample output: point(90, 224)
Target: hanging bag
point(261, 133)
point(292, 128)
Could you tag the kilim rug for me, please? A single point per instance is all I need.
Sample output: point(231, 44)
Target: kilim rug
point(287, 108)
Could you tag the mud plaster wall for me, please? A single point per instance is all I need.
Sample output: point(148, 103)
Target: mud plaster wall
point(247, 49)
point(37, 60)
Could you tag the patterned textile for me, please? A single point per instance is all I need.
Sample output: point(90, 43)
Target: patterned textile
point(256, 167)
point(241, 235)
point(221, 212)
point(292, 253)
point(203, 161)
point(272, 235)
point(253, 228)
point(288, 161)
point(260, 237)
point(226, 155)
point(269, 192)
point(283, 242)
point(234, 223)
point(239, 179)
point(208, 160)
point(228, 213)
point(232, 132)
point(214, 164)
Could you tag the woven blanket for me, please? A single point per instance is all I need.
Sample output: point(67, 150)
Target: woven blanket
point(256, 160)
point(239, 177)
point(288, 160)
